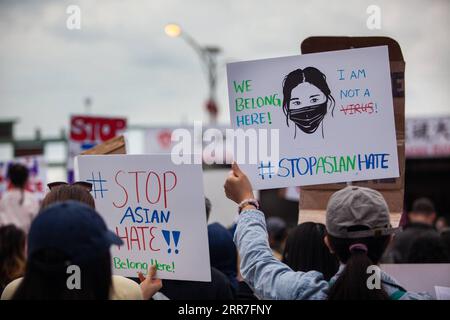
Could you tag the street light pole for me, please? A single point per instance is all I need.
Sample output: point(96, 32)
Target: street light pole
point(87, 105)
point(208, 56)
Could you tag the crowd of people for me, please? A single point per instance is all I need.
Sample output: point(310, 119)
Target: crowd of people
point(257, 258)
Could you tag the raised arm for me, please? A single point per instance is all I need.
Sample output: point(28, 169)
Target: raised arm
point(268, 277)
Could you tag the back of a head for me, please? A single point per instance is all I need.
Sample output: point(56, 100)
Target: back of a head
point(18, 175)
point(358, 231)
point(62, 235)
point(66, 193)
point(422, 211)
point(12, 253)
point(47, 277)
point(277, 231)
point(400, 246)
point(427, 247)
point(423, 205)
point(305, 250)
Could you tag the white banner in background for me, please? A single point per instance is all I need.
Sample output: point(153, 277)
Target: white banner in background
point(427, 137)
point(158, 140)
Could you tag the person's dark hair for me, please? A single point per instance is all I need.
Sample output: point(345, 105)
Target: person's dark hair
point(305, 250)
point(12, 254)
point(208, 208)
point(311, 75)
point(423, 206)
point(277, 229)
point(428, 247)
point(400, 247)
point(68, 192)
point(352, 282)
point(18, 175)
point(46, 277)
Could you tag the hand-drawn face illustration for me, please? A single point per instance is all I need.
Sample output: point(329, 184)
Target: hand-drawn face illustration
point(306, 99)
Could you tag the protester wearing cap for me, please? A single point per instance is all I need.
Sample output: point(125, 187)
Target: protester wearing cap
point(71, 234)
point(358, 231)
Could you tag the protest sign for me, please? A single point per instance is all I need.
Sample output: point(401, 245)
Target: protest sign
point(428, 137)
point(87, 131)
point(334, 112)
point(313, 199)
point(158, 210)
point(37, 175)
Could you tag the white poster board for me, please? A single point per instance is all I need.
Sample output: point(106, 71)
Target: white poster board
point(156, 207)
point(334, 112)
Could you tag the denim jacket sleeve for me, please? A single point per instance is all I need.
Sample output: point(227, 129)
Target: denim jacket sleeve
point(268, 277)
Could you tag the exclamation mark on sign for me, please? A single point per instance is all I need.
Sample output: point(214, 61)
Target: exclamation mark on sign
point(176, 239)
point(166, 235)
point(269, 117)
point(376, 107)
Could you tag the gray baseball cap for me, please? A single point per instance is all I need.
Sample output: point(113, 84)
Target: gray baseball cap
point(357, 206)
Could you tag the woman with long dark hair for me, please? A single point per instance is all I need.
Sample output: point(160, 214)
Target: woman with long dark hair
point(307, 99)
point(356, 256)
point(305, 250)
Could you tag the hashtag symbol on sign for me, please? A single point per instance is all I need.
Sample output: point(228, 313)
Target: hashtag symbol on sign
point(265, 170)
point(97, 185)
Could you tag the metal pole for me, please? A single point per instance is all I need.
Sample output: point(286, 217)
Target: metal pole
point(208, 56)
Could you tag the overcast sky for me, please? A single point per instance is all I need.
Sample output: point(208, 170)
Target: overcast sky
point(124, 61)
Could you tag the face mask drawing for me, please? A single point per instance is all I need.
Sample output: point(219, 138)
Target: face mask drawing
point(308, 118)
